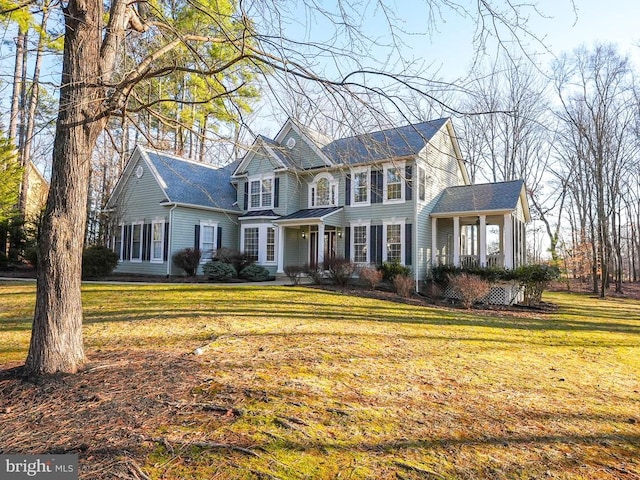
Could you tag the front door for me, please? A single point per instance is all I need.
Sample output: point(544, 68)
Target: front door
point(329, 246)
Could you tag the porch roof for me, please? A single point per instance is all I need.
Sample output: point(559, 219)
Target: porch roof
point(308, 215)
point(487, 197)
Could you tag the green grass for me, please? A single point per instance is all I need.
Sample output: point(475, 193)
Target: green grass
point(333, 386)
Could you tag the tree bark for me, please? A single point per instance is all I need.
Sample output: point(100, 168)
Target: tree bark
point(56, 340)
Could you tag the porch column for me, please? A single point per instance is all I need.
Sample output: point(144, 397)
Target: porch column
point(281, 240)
point(456, 241)
point(483, 240)
point(434, 241)
point(320, 244)
point(507, 240)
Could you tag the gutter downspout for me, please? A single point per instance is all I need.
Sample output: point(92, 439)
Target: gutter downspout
point(414, 231)
point(170, 242)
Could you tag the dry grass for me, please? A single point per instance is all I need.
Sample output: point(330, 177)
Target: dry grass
point(297, 383)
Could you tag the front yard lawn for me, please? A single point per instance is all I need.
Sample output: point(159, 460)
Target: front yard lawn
point(293, 383)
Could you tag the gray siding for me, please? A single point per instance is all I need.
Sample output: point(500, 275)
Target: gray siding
point(139, 201)
point(303, 155)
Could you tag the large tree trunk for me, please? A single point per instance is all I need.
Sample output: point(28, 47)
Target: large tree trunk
point(56, 340)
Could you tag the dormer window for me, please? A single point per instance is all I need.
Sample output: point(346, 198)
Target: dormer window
point(261, 193)
point(323, 192)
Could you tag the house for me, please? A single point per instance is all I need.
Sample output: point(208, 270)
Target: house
point(396, 195)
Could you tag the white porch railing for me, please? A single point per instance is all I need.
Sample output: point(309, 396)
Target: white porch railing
point(472, 261)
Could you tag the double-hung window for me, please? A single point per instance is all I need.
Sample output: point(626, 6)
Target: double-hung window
point(251, 243)
point(360, 239)
point(157, 241)
point(259, 243)
point(393, 182)
point(422, 184)
point(261, 193)
point(207, 240)
point(136, 241)
point(360, 179)
point(394, 242)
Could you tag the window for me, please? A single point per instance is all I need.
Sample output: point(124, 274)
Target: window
point(136, 242)
point(360, 186)
point(394, 242)
point(271, 244)
point(157, 241)
point(261, 192)
point(422, 184)
point(259, 242)
point(360, 244)
point(117, 242)
point(393, 183)
point(207, 240)
point(322, 192)
point(251, 237)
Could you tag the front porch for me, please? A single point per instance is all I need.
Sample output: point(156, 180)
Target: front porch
point(478, 240)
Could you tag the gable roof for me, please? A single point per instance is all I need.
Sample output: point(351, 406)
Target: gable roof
point(487, 197)
point(391, 143)
point(186, 182)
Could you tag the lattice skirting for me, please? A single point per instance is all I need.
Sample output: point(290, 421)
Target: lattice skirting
point(506, 293)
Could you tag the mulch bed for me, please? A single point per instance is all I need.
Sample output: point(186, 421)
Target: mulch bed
point(106, 414)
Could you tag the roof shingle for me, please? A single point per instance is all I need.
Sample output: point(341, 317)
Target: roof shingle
point(483, 197)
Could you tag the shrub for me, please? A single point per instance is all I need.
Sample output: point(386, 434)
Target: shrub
point(370, 277)
point(188, 260)
point(391, 269)
point(219, 271)
point(294, 272)
point(404, 285)
point(316, 274)
point(469, 288)
point(98, 261)
point(442, 273)
point(535, 279)
point(255, 273)
point(238, 259)
point(340, 270)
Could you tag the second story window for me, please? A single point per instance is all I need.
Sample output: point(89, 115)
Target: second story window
point(323, 192)
point(261, 193)
point(393, 183)
point(360, 183)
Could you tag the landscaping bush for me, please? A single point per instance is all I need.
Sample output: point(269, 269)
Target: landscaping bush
point(188, 260)
point(340, 270)
point(238, 259)
point(535, 279)
point(316, 274)
point(404, 285)
point(294, 272)
point(391, 269)
point(442, 273)
point(219, 271)
point(469, 288)
point(98, 261)
point(370, 277)
point(255, 273)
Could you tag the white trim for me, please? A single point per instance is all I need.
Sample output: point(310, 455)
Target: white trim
point(386, 224)
point(354, 171)
point(352, 249)
point(260, 178)
point(141, 249)
point(198, 207)
point(312, 189)
point(214, 225)
point(152, 259)
point(262, 242)
point(400, 166)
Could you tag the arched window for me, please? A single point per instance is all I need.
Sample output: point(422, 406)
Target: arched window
point(323, 192)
